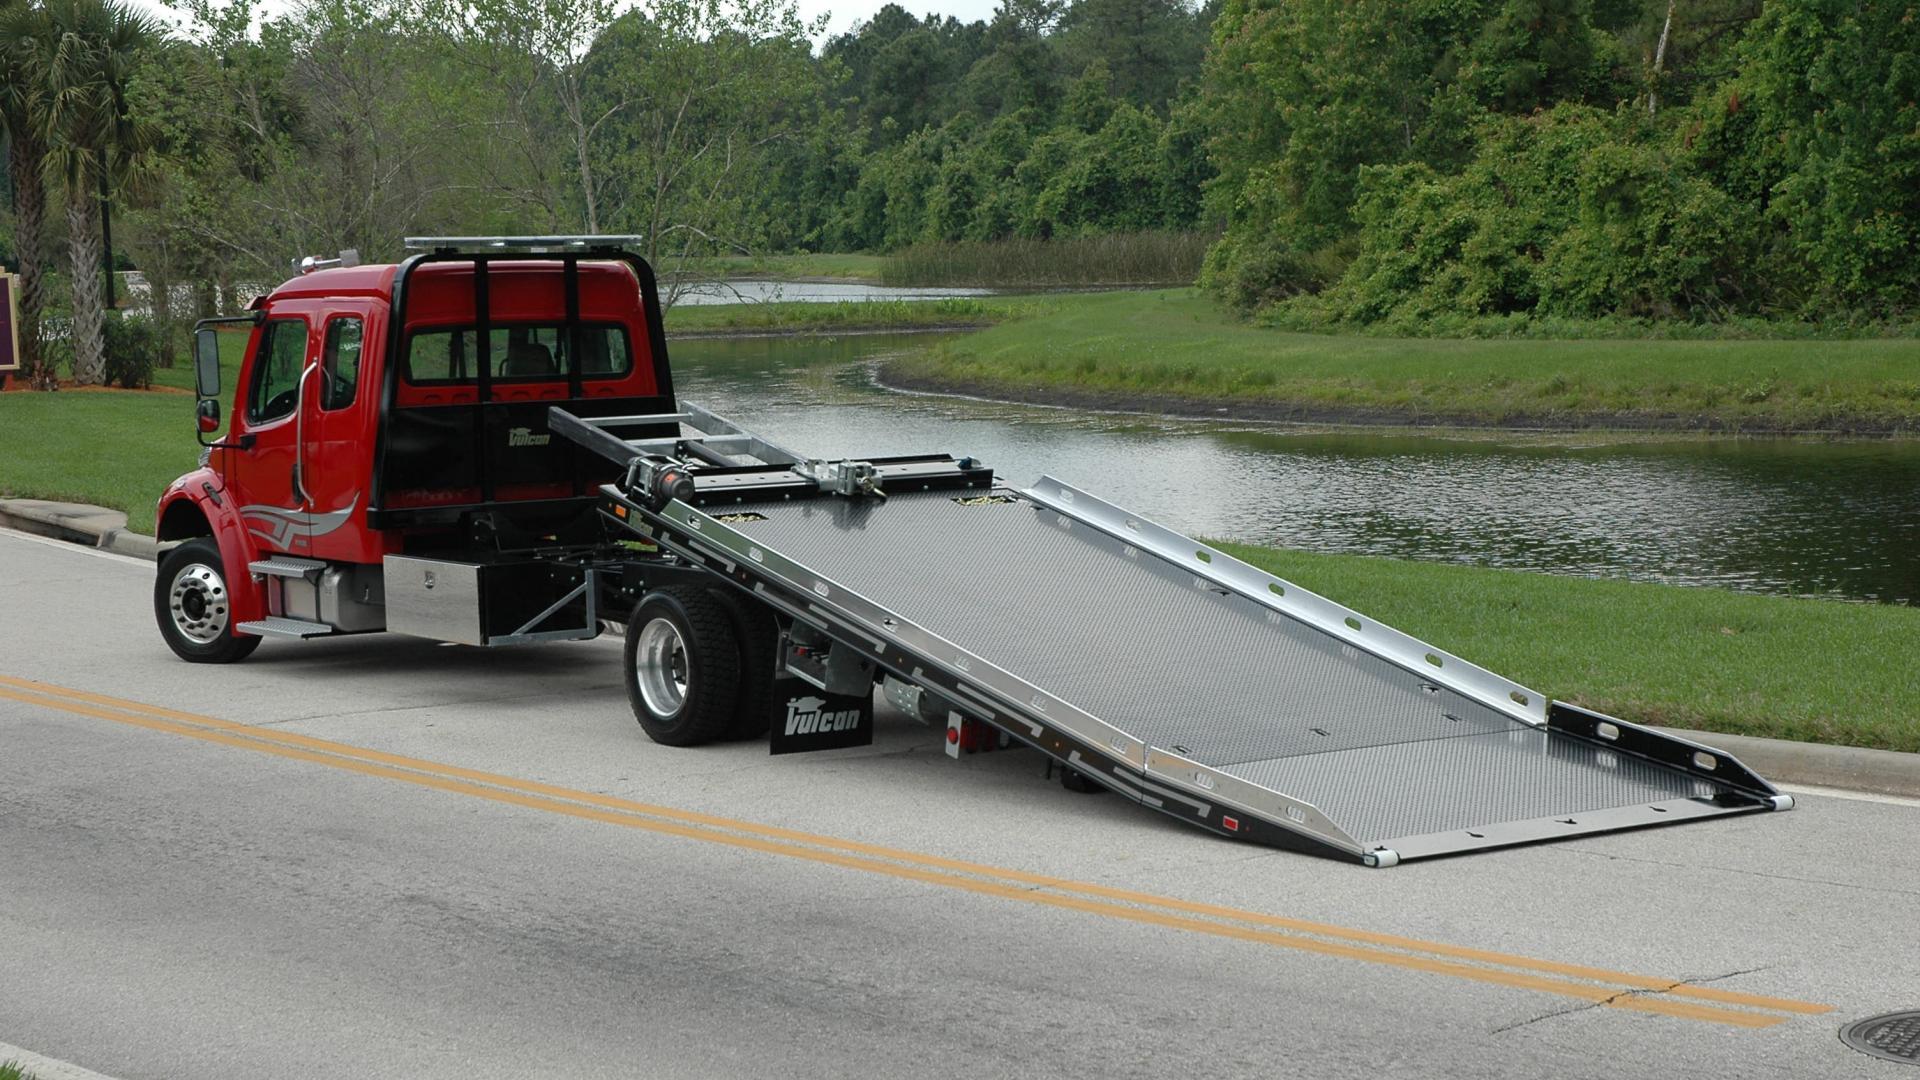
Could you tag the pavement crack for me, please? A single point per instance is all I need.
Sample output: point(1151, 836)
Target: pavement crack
point(1601, 1003)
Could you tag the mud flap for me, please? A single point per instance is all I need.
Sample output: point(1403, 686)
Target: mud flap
point(808, 718)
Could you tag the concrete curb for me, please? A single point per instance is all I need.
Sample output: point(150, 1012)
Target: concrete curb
point(79, 523)
point(41, 1067)
point(1853, 768)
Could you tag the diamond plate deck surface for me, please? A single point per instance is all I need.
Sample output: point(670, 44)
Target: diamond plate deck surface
point(1220, 679)
point(1452, 784)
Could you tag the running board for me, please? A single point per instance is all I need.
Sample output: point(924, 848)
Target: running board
point(281, 626)
point(288, 566)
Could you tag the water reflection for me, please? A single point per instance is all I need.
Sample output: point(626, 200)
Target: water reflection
point(1821, 519)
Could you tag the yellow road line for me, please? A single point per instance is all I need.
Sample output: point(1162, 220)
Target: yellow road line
point(693, 825)
point(1638, 982)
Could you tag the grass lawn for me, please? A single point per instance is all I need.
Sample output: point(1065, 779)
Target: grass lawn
point(1812, 670)
point(1169, 346)
point(117, 449)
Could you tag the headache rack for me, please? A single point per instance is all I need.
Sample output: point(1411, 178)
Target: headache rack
point(1158, 665)
point(473, 457)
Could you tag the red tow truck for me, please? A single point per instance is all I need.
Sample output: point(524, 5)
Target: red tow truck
point(389, 465)
point(481, 444)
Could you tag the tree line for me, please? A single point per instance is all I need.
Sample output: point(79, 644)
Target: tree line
point(1361, 161)
point(704, 126)
point(1420, 161)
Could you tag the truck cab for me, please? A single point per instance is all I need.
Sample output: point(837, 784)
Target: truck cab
point(401, 411)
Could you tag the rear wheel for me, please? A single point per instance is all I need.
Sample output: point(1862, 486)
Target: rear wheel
point(194, 607)
point(683, 666)
point(759, 636)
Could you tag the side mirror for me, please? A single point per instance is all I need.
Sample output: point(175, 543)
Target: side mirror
point(206, 365)
point(207, 414)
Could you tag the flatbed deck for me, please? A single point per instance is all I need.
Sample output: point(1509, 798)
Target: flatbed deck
point(1197, 684)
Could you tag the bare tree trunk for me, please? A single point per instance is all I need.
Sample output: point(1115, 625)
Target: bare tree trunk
point(160, 296)
point(1660, 61)
point(586, 187)
point(89, 321)
point(29, 219)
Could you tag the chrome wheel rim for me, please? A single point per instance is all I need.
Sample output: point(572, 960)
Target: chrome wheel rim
point(198, 601)
point(660, 667)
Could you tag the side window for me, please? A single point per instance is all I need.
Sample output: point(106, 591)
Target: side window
point(276, 370)
point(340, 363)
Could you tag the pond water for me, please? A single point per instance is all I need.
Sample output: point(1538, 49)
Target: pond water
point(810, 292)
point(1833, 519)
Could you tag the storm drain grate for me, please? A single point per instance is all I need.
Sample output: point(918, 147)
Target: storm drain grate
point(1895, 1036)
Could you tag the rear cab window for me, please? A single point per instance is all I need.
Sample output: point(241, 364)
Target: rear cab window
point(516, 353)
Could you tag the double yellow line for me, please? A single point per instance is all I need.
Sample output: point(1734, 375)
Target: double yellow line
point(1612, 989)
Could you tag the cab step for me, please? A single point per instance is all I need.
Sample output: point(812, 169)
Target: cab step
point(286, 566)
point(281, 626)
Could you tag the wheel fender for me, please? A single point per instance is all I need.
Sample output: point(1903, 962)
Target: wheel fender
point(199, 494)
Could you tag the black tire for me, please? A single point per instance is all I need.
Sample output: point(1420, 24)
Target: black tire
point(683, 639)
point(193, 605)
point(1074, 780)
point(758, 633)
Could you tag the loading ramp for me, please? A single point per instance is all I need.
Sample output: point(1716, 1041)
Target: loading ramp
point(1163, 668)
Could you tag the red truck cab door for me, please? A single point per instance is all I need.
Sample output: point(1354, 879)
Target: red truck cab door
point(338, 417)
point(260, 467)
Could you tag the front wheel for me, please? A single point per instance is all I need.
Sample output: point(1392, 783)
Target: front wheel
point(683, 666)
point(194, 607)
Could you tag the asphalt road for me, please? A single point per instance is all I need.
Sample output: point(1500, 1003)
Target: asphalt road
point(377, 856)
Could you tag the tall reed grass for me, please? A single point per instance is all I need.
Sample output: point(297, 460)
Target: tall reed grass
point(1142, 258)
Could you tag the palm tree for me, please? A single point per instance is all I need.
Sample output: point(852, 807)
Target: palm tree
point(92, 141)
point(24, 31)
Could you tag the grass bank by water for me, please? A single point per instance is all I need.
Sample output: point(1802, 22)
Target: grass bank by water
point(1174, 350)
point(796, 317)
point(1811, 670)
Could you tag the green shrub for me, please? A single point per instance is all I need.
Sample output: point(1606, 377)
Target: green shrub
point(134, 348)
